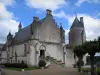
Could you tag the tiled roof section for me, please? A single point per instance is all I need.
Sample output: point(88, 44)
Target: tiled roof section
point(76, 23)
point(22, 35)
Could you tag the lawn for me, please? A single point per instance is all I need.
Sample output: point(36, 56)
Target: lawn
point(19, 69)
point(85, 69)
point(88, 69)
point(98, 69)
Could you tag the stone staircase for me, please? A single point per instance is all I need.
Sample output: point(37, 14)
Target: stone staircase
point(52, 60)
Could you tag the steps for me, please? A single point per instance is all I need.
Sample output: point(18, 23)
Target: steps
point(55, 61)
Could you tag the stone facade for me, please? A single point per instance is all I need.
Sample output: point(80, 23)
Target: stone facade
point(44, 38)
point(40, 39)
point(77, 36)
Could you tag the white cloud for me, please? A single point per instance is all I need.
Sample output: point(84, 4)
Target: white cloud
point(66, 36)
point(92, 25)
point(61, 14)
point(7, 22)
point(46, 4)
point(7, 2)
point(79, 2)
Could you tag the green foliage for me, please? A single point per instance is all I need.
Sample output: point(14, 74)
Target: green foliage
point(16, 65)
point(19, 69)
point(98, 70)
point(85, 69)
point(91, 47)
point(79, 51)
point(99, 43)
point(42, 63)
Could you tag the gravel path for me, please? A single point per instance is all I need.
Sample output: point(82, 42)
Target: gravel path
point(52, 70)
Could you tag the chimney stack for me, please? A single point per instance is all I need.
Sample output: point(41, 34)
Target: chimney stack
point(49, 12)
point(81, 20)
point(35, 19)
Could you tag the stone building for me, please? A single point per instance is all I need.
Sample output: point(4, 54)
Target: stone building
point(77, 36)
point(44, 38)
point(39, 39)
point(2, 53)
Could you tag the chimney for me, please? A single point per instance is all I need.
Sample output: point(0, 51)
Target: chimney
point(81, 20)
point(48, 12)
point(35, 19)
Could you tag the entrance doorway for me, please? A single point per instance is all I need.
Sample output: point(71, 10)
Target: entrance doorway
point(42, 53)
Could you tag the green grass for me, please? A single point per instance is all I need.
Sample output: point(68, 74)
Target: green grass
point(98, 69)
point(88, 69)
point(85, 69)
point(19, 69)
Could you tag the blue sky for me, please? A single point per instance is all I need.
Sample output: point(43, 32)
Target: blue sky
point(12, 12)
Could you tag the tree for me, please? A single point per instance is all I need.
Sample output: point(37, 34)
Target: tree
point(99, 42)
point(91, 47)
point(79, 52)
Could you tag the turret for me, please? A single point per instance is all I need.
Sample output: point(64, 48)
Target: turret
point(9, 38)
point(81, 21)
point(77, 33)
point(19, 27)
point(62, 34)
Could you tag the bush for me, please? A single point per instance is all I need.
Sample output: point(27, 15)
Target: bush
point(78, 62)
point(16, 65)
point(42, 63)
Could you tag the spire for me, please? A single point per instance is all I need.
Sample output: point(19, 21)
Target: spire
point(9, 36)
point(9, 33)
point(61, 26)
point(76, 23)
point(19, 26)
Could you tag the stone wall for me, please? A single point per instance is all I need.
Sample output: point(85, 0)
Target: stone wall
point(49, 31)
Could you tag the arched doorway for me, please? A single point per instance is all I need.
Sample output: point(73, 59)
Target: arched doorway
point(42, 51)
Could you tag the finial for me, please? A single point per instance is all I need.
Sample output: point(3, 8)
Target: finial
point(75, 14)
point(9, 32)
point(20, 25)
point(61, 25)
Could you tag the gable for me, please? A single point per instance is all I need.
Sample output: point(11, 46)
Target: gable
point(49, 31)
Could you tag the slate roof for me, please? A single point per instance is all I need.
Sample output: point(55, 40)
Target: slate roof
point(26, 33)
point(22, 36)
point(76, 23)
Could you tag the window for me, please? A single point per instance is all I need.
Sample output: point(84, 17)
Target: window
point(25, 50)
point(12, 51)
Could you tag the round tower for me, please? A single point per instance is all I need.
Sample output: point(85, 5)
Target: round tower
point(77, 33)
point(62, 34)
